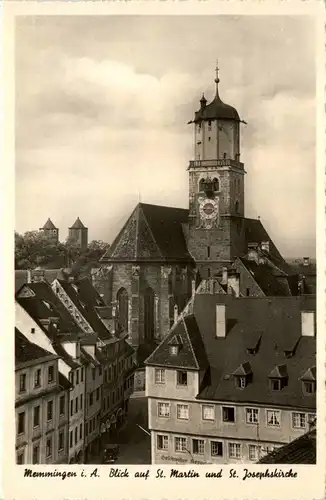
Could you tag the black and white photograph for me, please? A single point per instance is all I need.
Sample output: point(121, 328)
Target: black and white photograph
point(165, 241)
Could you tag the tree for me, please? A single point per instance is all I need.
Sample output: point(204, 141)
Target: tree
point(34, 249)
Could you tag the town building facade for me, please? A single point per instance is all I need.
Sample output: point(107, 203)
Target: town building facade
point(233, 380)
point(41, 402)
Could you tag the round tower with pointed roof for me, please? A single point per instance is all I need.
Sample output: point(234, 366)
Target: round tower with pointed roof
point(216, 184)
point(50, 231)
point(79, 234)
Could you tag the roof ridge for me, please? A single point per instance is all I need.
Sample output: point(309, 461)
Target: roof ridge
point(191, 347)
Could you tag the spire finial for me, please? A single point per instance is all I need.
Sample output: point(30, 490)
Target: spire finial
point(216, 77)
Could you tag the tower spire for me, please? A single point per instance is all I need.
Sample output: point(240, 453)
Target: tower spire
point(216, 76)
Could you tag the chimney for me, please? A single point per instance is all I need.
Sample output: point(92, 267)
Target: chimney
point(29, 276)
point(224, 276)
point(220, 320)
point(306, 261)
point(308, 323)
point(176, 313)
point(265, 246)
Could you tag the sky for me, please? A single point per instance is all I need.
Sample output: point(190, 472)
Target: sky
point(102, 105)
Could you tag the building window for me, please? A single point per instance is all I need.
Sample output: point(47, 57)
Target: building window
point(81, 431)
point(100, 371)
point(48, 447)
point(71, 408)
point(208, 252)
point(252, 415)
point(182, 378)
point(36, 416)
point(182, 412)
point(208, 272)
point(71, 443)
point(36, 454)
point(77, 377)
point(240, 382)
point(174, 349)
point(228, 414)
point(298, 420)
point(82, 374)
point(62, 405)
point(149, 314)
point(216, 448)
point(273, 418)
point(198, 446)
point(50, 374)
point(22, 382)
point(76, 434)
point(163, 409)
point(71, 378)
point(276, 384)
point(162, 442)
point(108, 402)
point(32, 330)
point(86, 429)
point(309, 387)
point(180, 444)
point(21, 422)
point(61, 441)
point(93, 373)
point(50, 410)
point(208, 412)
point(76, 405)
point(216, 184)
point(20, 458)
point(248, 292)
point(91, 399)
point(234, 450)
point(159, 376)
point(209, 126)
point(253, 452)
point(37, 378)
point(123, 307)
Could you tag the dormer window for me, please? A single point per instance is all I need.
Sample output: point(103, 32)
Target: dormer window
point(278, 378)
point(308, 380)
point(175, 345)
point(174, 350)
point(241, 382)
point(242, 375)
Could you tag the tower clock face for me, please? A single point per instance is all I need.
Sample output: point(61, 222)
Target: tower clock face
point(208, 209)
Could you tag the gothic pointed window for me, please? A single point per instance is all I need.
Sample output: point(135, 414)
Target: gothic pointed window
point(149, 314)
point(123, 302)
point(202, 185)
point(216, 184)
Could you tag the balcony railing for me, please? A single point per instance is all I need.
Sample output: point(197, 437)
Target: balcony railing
point(225, 162)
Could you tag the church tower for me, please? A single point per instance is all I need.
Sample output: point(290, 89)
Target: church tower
point(216, 233)
point(50, 231)
point(79, 234)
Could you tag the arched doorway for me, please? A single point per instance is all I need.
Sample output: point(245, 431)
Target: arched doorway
point(123, 303)
point(149, 314)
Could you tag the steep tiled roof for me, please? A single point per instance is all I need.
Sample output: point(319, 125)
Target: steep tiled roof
point(191, 353)
point(21, 276)
point(259, 334)
point(49, 225)
point(152, 233)
point(277, 319)
point(28, 351)
point(300, 451)
point(77, 224)
point(43, 304)
point(266, 278)
point(86, 299)
point(256, 233)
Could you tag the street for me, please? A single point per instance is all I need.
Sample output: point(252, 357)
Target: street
point(134, 443)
